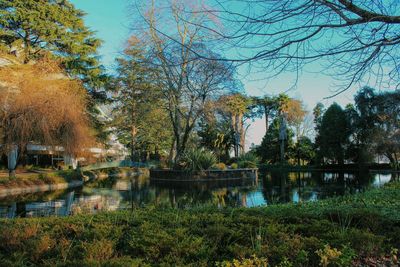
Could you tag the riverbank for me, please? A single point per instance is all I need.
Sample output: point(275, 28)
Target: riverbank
point(43, 180)
point(361, 229)
point(32, 181)
point(331, 167)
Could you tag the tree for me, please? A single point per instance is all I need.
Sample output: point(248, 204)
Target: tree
point(295, 114)
point(218, 136)
point(187, 81)
point(333, 134)
point(139, 116)
point(358, 38)
point(236, 106)
point(267, 107)
point(304, 150)
point(32, 29)
point(38, 104)
point(269, 150)
point(376, 119)
point(388, 136)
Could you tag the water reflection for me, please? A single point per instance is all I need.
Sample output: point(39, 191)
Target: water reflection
point(116, 194)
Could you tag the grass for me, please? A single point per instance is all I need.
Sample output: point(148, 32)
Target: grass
point(343, 231)
point(30, 178)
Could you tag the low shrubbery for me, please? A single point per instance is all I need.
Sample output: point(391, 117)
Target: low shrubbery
point(343, 231)
point(248, 160)
point(220, 166)
point(197, 160)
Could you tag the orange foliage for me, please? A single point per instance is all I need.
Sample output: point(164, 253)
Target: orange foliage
point(40, 104)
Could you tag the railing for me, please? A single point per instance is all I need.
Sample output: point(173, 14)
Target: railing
point(115, 164)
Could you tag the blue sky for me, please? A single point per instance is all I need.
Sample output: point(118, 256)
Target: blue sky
point(110, 19)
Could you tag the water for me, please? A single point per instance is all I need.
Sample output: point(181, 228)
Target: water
point(128, 193)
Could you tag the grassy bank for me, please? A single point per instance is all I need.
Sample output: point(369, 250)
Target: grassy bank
point(30, 178)
point(337, 232)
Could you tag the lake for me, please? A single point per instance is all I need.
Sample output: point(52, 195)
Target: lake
point(128, 193)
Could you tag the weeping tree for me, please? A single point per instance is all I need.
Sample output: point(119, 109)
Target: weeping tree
point(39, 104)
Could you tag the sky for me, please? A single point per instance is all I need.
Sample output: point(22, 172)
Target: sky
point(110, 20)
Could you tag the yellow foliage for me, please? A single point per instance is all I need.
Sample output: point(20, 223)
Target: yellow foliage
point(328, 255)
point(41, 104)
point(253, 261)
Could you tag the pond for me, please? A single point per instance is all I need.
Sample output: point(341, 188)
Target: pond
point(128, 193)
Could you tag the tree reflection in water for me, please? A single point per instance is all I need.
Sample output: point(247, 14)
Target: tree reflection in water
point(139, 191)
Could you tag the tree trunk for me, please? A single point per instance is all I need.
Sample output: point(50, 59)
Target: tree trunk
point(172, 153)
point(266, 114)
point(242, 134)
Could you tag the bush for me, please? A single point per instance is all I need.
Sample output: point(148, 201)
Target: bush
point(198, 159)
point(248, 160)
point(220, 166)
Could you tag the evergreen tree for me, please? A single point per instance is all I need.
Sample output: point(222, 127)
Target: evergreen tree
point(139, 117)
point(269, 150)
point(333, 134)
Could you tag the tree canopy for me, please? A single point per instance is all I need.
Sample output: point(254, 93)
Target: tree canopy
point(359, 39)
point(32, 27)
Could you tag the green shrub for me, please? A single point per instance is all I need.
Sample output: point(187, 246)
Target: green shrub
point(248, 160)
point(198, 159)
point(247, 164)
point(234, 166)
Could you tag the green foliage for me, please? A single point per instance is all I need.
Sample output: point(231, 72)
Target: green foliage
point(32, 26)
point(234, 165)
point(216, 135)
point(333, 134)
point(248, 160)
point(139, 119)
point(269, 150)
point(303, 150)
point(198, 159)
point(309, 234)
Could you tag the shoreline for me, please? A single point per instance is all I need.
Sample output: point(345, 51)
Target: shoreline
point(53, 181)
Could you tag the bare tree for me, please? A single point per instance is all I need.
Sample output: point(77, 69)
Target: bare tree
point(359, 39)
point(187, 81)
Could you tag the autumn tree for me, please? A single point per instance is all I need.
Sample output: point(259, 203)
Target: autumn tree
point(39, 104)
